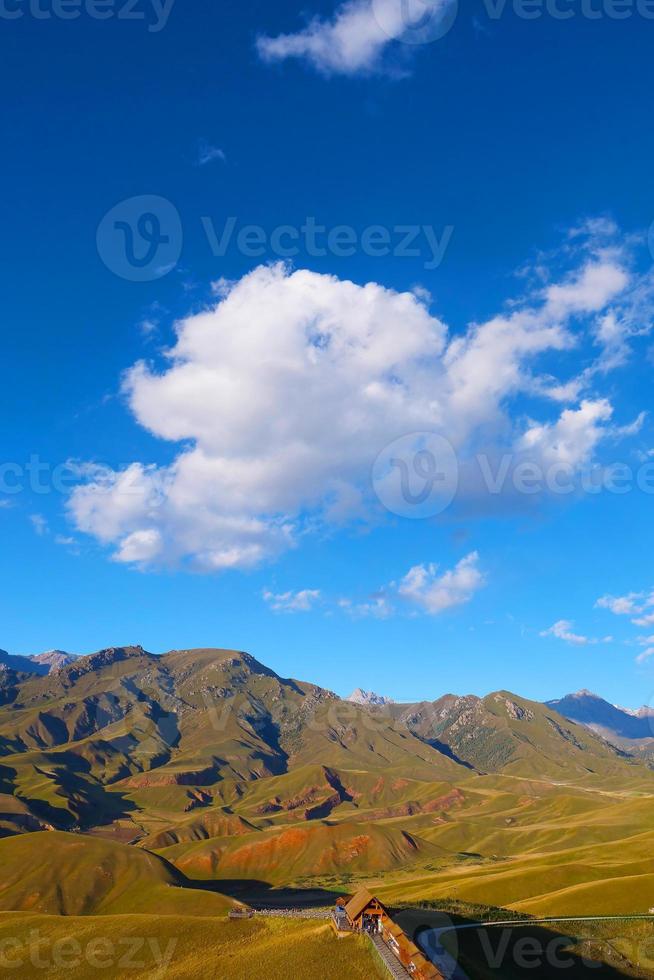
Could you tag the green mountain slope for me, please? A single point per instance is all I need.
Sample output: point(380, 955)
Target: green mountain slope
point(78, 744)
point(508, 734)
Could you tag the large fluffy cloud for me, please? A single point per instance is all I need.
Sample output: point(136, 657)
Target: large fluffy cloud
point(282, 394)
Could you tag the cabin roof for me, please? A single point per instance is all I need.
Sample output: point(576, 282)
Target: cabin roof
point(358, 903)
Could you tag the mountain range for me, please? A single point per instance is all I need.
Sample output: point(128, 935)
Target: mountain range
point(229, 772)
point(38, 663)
point(628, 729)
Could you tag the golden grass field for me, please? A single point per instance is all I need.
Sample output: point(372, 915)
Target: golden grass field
point(177, 947)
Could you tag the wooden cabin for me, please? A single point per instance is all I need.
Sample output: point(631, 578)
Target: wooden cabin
point(365, 913)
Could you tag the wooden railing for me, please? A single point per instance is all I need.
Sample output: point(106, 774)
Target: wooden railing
point(341, 923)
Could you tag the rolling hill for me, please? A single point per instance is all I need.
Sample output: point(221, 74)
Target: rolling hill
point(69, 874)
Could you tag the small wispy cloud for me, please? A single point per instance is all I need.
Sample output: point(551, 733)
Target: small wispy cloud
point(377, 607)
point(355, 38)
point(208, 154)
point(564, 630)
point(647, 653)
point(292, 602)
point(148, 326)
point(424, 587)
point(634, 604)
point(40, 524)
point(625, 605)
point(151, 320)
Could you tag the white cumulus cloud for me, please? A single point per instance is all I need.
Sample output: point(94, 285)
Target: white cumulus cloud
point(434, 591)
point(280, 396)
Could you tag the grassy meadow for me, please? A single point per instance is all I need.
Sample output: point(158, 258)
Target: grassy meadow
point(177, 947)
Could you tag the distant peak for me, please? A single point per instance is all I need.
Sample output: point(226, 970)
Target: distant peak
point(54, 659)
point(368, 697)
point(110, 655)
point(646, 711)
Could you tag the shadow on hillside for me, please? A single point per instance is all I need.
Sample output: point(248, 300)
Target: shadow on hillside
point(87, 803)
point(519, 951)
point(7, 780)
point(250, 891)
point(446, 750)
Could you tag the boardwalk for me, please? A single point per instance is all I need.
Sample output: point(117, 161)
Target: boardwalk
point(391, 963)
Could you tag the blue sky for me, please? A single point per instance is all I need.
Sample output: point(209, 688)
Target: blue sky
point(516, 154)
